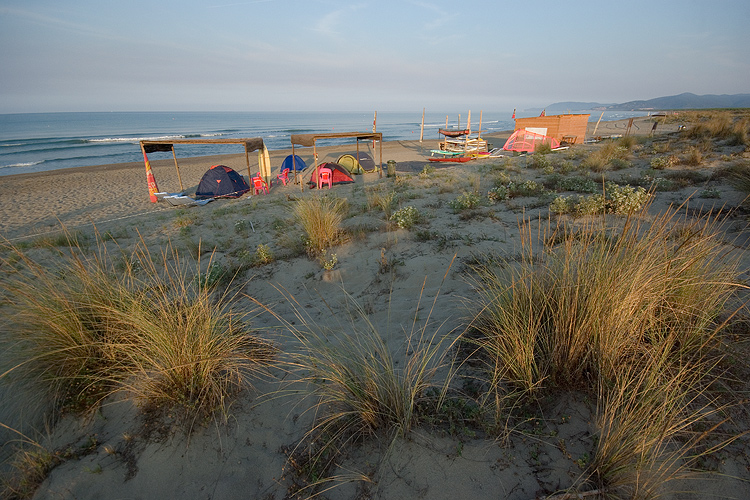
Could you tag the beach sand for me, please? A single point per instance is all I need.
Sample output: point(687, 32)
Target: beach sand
point(245, 458)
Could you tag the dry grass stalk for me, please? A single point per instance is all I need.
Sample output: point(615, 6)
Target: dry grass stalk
point(646, 420)
point(579, 311)
point(361, 389)
point(321, 218)
point(84, 329)
point(385, 201)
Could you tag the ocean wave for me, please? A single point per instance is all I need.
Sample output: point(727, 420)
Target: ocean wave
point(13, 145)
point(25, 164)
point(135, 139)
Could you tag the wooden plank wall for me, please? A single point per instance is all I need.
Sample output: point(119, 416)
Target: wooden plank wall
point(558, 126)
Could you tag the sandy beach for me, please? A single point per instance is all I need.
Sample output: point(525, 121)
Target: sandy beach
point(399, 277)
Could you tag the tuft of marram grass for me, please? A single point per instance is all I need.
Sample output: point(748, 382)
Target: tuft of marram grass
point(320, 218)
point(646, 420)
point(361, 389)
point(83, 329)
point(385, 201)
point(629, 313)
point(579, 310)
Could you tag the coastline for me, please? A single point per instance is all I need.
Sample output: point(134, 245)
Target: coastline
point(38, 203)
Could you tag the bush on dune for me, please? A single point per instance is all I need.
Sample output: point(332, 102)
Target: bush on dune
point(628, 313)
point(82, 329)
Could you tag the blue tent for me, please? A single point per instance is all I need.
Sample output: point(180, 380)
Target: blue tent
point(299, 163)
point(221, 182)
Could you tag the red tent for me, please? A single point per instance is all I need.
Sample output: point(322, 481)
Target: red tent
point(340, 174)
point(525, 141)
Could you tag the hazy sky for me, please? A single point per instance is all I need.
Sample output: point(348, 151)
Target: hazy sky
point(274, 55)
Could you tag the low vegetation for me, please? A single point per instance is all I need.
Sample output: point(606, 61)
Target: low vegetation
point(631, 313)
point(86, 328)
point(321, 218)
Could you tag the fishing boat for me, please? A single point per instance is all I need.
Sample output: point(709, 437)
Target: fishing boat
point(451, 159)
point(453, 133)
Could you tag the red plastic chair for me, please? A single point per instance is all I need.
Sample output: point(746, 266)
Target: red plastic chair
point(283, 176)
point(325, 176)
point(259, 185)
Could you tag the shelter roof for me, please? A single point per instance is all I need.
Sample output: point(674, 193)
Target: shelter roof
point(309, 139)
point(251, 143)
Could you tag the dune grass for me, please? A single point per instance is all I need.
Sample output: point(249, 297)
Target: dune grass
point(320, 218)
point(628, 312)
point(646, 420)
point(82, 327)
point(578, 310)
point(362, 386)
point(385, 200)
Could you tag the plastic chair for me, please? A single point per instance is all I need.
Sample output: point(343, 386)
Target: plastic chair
point(325, 176)
point(259, 185)
point(283, 176)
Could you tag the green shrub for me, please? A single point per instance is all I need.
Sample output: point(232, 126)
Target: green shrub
point(497, 194)
point(626, 199)
point(465, 201)
point(406, 217)
point(561, 205)
point(263, 255)
point(617, 200)
point(662, 162)
point(540, 161)
point(526, 188)
point(577, 184)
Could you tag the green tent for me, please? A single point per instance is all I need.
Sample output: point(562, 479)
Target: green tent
point(354, 166)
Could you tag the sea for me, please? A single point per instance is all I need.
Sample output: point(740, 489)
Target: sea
point(37, 142)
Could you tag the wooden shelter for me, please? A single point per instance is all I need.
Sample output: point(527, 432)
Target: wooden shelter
point(310, 140)
point(251, 144)
point(570, 129)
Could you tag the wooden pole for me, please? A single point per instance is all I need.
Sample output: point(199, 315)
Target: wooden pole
point(247, 162)
point(374, 129)
point(373, 147)
point(421, 129)
point(315, 161)
point(380, 168)
point(179, 177)
point(597, 123)
point(293, 165)
point(480, 125)
point(468, 128)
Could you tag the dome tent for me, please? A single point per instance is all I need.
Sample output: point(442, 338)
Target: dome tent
point(356, 165)
point(339, 174)
point(220, 181)
point(293, 162)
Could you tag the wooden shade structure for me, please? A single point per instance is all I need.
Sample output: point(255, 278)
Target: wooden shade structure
point(310, 140)
point(568, 128)
point(251, 144)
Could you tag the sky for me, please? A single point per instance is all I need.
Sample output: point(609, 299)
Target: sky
point(326, 55)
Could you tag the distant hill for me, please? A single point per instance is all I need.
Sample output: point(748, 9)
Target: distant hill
point(681, 101)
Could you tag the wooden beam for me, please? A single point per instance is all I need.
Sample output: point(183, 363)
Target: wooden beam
point(179, 177)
